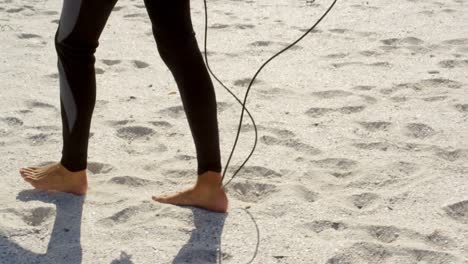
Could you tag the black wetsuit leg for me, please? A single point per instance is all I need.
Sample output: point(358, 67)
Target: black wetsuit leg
point(177, 45)
point(81, 24)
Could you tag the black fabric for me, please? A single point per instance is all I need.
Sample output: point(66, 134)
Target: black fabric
point(76, 42)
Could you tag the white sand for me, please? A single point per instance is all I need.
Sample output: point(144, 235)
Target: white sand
point(363, 137)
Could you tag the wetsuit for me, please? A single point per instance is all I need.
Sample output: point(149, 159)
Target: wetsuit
point(76, 40)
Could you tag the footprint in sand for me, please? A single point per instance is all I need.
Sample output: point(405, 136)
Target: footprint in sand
point(244, 26)
point(246, 81)
point(39, 215)
point(331, 94)
point(218, 26)
point(458, 211)
point(413, 44)
point(350, 109)
point(250, 191)
point(284, 133)
point(456, 42)
point(175, 112)
point(375, 64)
point(336, 55)
point(382, 146)
point(451, 155)
point(376, 126)
point(140, 64)
point(419, 130)
point(37, 104)
point(370, 53)
point(365, 7)
point(12, 121)
point(33, 38)
point(117, 8)
point(290, 143)
point(463, 108)
point(123, 216)
point(385, 234)
point(316, 112)
point(135, 15)
point(450, 64)
point(33, 217)
point(119, 122)
point(134, 132)
point(50, 13)
point(260, 172)
point(437, 238)
point(434, 98)
point(366, 252)
point(53, 75)
point(403, 41)
point(130, 181)
point(339, 30)
point(300, 191)
point(15, 10)
point(98, 70)
point(99, 168)
point(425, 85)
point(388, 175)
point(335, 163)
point(173, 175)
point(161, 124)
point(319, 226)
point(38, 139)
point(364, 200)
point(185, 157)
point(111, 62)
point(363, 87)
point(342, 175)
point(368, 99)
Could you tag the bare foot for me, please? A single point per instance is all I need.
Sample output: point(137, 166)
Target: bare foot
point(207, 194)
point(55, 177)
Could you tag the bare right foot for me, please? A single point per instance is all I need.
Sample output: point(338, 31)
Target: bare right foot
point(55, 177)
point(207, 194)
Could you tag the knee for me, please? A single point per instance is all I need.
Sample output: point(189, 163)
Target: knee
point(175, 41)
point(74, 46)
point(176, 45)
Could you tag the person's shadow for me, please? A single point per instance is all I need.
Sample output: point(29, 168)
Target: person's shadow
point(65, 241)
point(204, 245)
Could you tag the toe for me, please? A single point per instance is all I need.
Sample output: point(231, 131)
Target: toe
point(28, 169)
point(29, 179)
point(158, 198)
point(28, 173)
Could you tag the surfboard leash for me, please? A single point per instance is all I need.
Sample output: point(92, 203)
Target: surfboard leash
point(248, 88)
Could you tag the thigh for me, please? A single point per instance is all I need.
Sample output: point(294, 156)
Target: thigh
point(170, 16)
point(82, 21)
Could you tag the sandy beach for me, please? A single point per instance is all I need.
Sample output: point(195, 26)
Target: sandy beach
point(362, 153)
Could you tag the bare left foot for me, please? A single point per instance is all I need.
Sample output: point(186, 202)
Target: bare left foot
point(207, 194)
point(55, 177)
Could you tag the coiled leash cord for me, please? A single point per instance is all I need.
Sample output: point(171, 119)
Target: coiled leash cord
point(248, 89)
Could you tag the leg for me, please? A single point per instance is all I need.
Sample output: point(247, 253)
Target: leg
point(178, 48)
point(76, 40)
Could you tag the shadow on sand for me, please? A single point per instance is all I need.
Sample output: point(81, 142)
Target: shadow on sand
point(204, 245)
point(64, 244)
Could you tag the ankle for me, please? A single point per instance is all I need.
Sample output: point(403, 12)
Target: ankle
point(209, 178)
